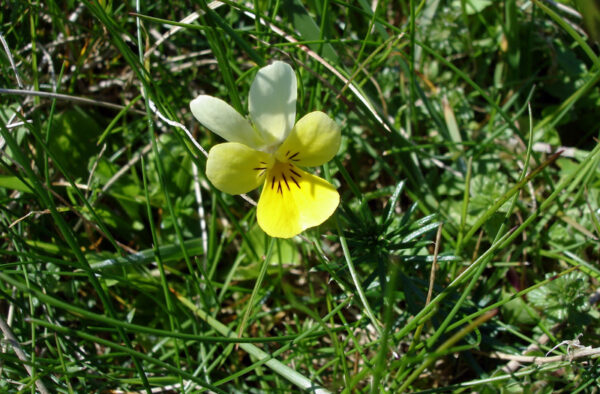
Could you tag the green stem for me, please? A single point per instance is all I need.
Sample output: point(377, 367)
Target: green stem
point(276, 365)
point(259, 280)
point(455, 338)
point(129, 351)
point(355, 279)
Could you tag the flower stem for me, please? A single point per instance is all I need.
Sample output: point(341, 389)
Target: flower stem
point(359, 290)
point(263, 357)
point(259, 280)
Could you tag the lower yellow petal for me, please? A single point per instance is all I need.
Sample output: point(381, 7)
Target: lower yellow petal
point(293, 200)
point(235, 168)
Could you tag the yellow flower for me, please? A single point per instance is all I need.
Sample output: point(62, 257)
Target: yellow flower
point(270, 150)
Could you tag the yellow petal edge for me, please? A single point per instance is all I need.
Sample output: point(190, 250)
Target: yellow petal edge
point(235, 168)
point(314, 140)
point(291, 204)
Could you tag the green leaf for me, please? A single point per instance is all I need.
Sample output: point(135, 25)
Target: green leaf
point(73, 140)
point(473, 6)
point(563, 299)
point(590, 11)
point(284, 253)
point(12, 182)
point(515, 312)
point(304, 23)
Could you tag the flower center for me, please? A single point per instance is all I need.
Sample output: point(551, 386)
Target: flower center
point(290, 155)
point(283, 176)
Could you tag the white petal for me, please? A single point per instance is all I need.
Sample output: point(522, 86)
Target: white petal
point(222, 119)
point(272, 101)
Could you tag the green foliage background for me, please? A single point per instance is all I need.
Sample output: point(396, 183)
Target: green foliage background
point(463, 239)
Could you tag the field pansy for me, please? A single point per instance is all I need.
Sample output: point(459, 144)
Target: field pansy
point(269, 150)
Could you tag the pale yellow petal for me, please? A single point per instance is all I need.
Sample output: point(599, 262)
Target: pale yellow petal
point(314, 140)
point(272, 101)
point(293, 200)
point(222, 119)
point(235, 168)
